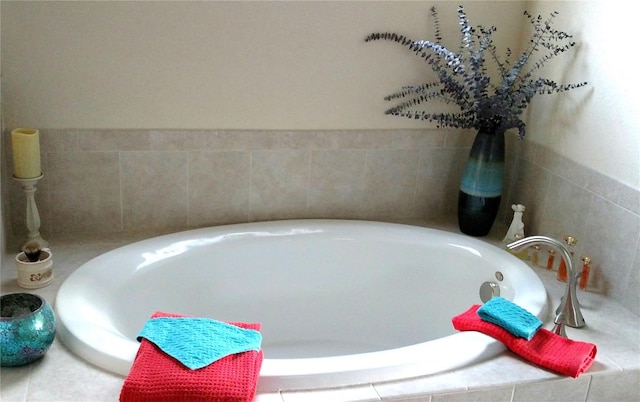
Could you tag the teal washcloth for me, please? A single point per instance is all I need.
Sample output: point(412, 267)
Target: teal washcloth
point(511, 317)
point(198, 342)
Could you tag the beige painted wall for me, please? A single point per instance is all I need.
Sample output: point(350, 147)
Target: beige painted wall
point(292, 65)
point(597, 127)
point(245, 65)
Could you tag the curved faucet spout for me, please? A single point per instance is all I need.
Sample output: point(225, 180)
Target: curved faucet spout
point(569, 304)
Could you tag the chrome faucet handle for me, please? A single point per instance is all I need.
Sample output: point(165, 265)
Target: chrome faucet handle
point(569, 302)
point(558, 325)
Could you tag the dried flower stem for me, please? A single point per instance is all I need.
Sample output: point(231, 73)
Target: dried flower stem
point(463, 78)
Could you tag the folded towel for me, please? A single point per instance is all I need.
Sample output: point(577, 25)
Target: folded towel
point(545, 349)
point(157, 377)
point(511, 317)
point(198, 342)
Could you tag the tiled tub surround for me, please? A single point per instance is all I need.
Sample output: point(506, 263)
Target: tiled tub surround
point(564, 198)
point(111, 181)
point(62, 376)
point(159, 181)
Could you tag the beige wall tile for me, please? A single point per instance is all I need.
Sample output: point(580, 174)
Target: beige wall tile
point(631, 295)
point(58, 141)
point(459, 138)
point(193, 140)
point(531, 189)
point(154, 190)
point(630, 199)
point(85, 211)
point(336, 186)
point(439, 173)
point(363, 139)
point(69, 170)
point(612, 234)
point(418, 139)
point(113, 140)
point(436, 197)
point(218, 187)
point(390, 183)
point(266, 140)
point(565, 209)
point(279, 184)
point(443, 162)
point(85, 192)
point(177, 140)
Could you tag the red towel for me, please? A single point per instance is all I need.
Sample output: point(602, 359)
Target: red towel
point(158, 377)
point(545, 349)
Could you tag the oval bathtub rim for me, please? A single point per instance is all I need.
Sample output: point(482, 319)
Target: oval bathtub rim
point(280, 374)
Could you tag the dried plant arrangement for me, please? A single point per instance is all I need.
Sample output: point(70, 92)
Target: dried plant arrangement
point(464, 80)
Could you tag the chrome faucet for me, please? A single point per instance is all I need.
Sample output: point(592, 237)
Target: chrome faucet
point(568, 312)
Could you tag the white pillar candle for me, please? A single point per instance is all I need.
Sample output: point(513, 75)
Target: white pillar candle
point(26, 153)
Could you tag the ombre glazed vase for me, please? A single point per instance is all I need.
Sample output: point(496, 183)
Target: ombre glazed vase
point(27, 328)
point(481, 184)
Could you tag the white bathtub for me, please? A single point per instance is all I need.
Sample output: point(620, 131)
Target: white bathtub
point(340, 302)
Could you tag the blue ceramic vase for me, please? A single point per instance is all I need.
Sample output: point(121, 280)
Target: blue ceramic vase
point(27, 328)
point(481, 185)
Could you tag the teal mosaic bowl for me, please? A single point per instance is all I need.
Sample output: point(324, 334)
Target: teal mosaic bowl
point(27, 328)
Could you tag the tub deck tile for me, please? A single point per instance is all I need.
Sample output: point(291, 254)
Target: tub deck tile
point(363, 393)
point(61, 376)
